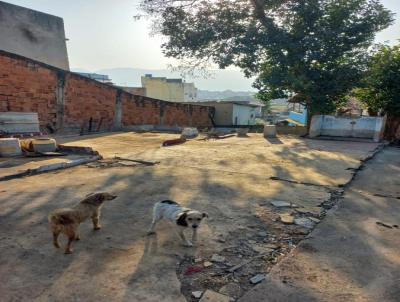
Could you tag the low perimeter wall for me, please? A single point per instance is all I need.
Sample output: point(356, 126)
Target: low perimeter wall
point(362, 127)
point(65, 100)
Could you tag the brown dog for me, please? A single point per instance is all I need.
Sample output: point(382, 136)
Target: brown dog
point(67, 220)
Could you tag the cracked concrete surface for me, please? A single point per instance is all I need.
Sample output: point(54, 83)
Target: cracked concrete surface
point(228, 178)
point(348, 257)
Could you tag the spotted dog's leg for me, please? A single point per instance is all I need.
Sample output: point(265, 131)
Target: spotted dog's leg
point(194, 236)
point(185, 242)
point(156, 218)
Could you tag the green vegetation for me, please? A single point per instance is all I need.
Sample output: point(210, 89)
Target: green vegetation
point(380, 91)
point(313, 51)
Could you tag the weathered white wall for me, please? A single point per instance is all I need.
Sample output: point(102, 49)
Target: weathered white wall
point(190, 92)
point(363, 127)
point(223, 113)
point(33, 34)
point(243, 115)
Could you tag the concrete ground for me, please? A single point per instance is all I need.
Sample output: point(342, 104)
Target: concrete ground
point(230, 179)
point(10, 166)
point(348, 257)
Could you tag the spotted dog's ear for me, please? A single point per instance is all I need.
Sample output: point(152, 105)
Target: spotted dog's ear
point(182, 220)
point(205, 215)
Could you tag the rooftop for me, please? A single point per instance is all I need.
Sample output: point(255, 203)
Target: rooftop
point(233, 179)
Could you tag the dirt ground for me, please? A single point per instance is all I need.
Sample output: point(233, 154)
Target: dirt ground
point(234, 180)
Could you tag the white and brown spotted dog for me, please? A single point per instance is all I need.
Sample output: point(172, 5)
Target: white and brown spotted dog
point(181, 217)
point(67, 220)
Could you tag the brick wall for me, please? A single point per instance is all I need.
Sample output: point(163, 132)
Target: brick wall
point(86, 100)
point(137, 111)
point(28, 87)
point(64, 100)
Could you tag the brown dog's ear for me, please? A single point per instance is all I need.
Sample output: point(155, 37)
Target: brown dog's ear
point(205, 214)
point(95, 199)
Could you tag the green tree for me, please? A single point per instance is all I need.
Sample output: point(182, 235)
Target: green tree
point(310, 50)
point(381, 85)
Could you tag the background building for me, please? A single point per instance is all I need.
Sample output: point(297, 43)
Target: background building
point(33, 34)
point(228, 113)
point(102, 78)
point(172, 90)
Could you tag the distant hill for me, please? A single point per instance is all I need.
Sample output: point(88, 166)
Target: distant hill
point(220, 81)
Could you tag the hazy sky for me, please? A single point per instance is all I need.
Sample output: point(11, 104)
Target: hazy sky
point(103, 34)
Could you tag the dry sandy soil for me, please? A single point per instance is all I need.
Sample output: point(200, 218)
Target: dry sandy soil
point(234, 180)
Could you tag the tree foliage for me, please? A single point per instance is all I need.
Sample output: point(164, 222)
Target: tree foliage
point(381, 85)
point(313, 50)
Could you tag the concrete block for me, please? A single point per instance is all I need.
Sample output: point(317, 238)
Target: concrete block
point(379, 128)
point(316, 126)
point(257, 278)
point(189, 132)
point(269, 131)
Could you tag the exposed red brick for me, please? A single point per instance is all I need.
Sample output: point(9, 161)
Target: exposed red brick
point(29, 86)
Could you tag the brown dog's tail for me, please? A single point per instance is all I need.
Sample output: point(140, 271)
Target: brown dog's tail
point(60, 219)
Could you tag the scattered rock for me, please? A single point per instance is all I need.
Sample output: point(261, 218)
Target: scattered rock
point(197, 260)
point(257, 279)
point(271, 246)
point(315, 211)
point(217, 258)
point(207, 264)
point(304, 222)
point(220, 238)
point(261, 248)
point(231, 289)
point(286, 218)
point(211, 296)
point(197, 294)
point(315, 220)
point(252, 241)
point(262, 234)
point(299, 231)
point(252, 226)
point(282, 204)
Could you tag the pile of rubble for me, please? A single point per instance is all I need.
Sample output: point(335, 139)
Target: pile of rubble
point(249, 252)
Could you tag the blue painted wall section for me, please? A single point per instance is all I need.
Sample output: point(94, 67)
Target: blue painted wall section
point(300, 117)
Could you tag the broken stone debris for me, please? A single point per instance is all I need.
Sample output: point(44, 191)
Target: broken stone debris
point(262, 234)
point(262, 248)
point(217, 258)
point(231, 289)
point(211, 296)
point(286, 218)
point(257, 279)
point(282, 204)
point(304, 222)
point(315, 220)
point(207, 264)
point(197, 294)
point(315, 211)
